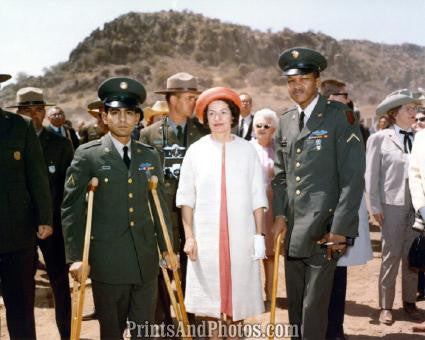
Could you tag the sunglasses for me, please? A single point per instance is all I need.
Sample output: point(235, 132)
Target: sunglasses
point(260, 126)
point(421, 119)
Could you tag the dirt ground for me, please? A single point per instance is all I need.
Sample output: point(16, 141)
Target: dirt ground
point(361, 317)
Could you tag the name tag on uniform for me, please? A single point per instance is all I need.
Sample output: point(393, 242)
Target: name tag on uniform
point(105, 167)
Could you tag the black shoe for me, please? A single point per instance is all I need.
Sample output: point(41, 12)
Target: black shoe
point(412, 311)
point(420, 296)
point(90, 316)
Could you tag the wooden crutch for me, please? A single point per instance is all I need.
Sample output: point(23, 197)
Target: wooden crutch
point(78, 293)
point(275, 281)
point(167, 280)
point(153, 183)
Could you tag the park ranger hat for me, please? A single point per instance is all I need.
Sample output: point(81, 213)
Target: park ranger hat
point(4, 77)
point(396, 99)
point(301, 60)
point(95, 108)
point(181, 82)
point(29, 96)
point(117, 92)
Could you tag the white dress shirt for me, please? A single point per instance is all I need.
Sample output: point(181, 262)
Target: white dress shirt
point(401, 136)
point(119, 146)
point(246, 122)
point(309, 109)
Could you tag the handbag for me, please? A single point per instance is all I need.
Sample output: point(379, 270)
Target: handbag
point(416, 255)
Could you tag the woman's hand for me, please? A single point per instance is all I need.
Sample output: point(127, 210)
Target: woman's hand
point(191, 248)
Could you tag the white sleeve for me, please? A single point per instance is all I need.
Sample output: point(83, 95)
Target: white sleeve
point(186, 192)
point(416, 172)
point(258, 186)
point(373, 172)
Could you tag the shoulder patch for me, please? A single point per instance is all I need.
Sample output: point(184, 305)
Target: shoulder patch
point(350, 117)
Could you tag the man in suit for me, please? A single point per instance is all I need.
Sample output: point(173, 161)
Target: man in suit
point(387, 162)
point(25, 214)
point(58, 153)
point(180, 129)
point(244, 127)
point(317, 189)
point(417, 186)
point(126, 232)
point(56, 117)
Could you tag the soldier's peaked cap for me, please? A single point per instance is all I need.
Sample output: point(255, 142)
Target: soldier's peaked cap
point(123, 92)
point(301, 60)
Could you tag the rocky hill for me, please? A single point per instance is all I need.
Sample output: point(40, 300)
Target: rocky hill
point(152, 46)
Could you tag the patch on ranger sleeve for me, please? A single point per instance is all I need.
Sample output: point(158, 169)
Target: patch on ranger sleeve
point(350, 117)
point(353, 135)
point(70, 181)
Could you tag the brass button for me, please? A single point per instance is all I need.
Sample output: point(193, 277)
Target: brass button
point(130, 180)
point(131, 210)
point(106, 180)
point(330, 210)
point(132, 224)
point(91, 237)
point(298, 150)
point(298, 192)
point(298, 178)
point(298, 164)
point(130, 195)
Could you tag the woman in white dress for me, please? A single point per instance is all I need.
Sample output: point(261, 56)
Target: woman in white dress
point(222, 196)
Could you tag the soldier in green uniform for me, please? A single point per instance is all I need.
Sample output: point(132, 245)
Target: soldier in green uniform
point(58, 152)
point(97, 130)
point(178, 129)
point(124, 261)
point(319, 167)
point(25, 213)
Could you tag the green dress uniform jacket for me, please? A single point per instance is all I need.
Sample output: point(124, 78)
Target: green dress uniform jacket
point(124, 238)
point(58, 153)
point(25, 201)
point(319, 178)
point(154, 135)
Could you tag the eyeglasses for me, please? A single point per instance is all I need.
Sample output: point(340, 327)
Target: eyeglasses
point(421, 119)
point(260, 126)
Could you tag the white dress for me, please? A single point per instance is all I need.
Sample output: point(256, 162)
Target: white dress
point(200, 188)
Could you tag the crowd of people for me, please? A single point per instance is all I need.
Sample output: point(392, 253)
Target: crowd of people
point(230, 181)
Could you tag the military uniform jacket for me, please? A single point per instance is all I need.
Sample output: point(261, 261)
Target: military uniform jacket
point(24, 189)
point(58, 153)
point(124, 237)
point(319, 175)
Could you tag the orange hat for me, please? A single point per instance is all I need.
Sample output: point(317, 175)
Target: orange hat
point(215, 93)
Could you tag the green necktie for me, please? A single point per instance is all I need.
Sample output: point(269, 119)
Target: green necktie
point(180, 134)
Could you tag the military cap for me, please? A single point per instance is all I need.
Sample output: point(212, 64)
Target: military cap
point(29, 96)
point(4, 77)
point(301, 60)
point(121, 92)
point(396, 99)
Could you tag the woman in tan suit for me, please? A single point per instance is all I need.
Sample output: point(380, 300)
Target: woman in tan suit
point(387, 161)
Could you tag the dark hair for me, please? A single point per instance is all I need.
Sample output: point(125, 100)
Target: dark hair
point(331, 86)
point(234, 110)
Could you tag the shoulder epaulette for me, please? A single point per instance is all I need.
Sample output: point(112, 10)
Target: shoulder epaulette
point(288, 110)
point(144, 145)
point(91, 144)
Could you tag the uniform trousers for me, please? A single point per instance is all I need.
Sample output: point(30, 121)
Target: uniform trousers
point(397, 237)
point(308, 286)
point(117, 303)
point(53, 251)
point(337, 304)
point(18, 289)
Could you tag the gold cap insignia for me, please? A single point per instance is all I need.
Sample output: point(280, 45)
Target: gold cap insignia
point(17, 156)
point(295, 54)
point(123, 85)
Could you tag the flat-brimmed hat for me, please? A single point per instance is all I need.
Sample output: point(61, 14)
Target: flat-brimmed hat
point(4, 77)
point(95, 108)
point(212, 94)
point(301, 60)
point(29, 96)
point(181, 82)
point(159, 108)
point(396, 99)
point(120, 92)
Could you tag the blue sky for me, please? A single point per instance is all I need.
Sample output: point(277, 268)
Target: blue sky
point(38, 34)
